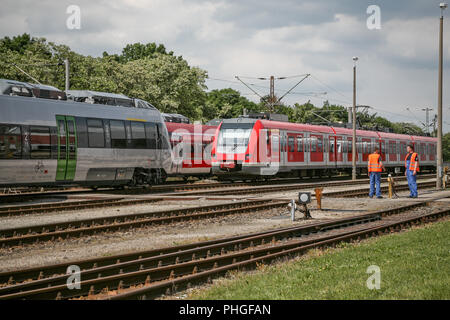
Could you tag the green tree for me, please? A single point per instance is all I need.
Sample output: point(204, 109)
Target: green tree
point(146, 71)
point(446, 146)
point(227, 103)
point(18, 43)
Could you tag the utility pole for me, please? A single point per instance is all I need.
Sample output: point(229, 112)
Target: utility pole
point(354, 121)
point(427, 119)
point(66, 64)
point(439, 131)
point(272, 100)
point(272, 92)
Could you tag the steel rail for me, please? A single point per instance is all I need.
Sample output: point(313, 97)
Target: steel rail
point(173, 283)
point(175, 188)
point(40, 272)
point(116, 275)
point(292, 187)
point(79, 228)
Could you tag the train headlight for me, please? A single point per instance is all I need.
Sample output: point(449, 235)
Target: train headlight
point(304, 197)
point(248, 156)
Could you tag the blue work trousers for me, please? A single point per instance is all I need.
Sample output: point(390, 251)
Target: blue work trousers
point(375, 179)
point(411, 181)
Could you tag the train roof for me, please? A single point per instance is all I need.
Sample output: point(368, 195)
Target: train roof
point(295, 126)
point(106, 98)
point(25, 110)
point(188, 132)
point(7, 86)
point(189, 127)
point(269, 124)
point(175, 117)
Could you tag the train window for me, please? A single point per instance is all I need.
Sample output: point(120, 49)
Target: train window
point(344, 146)
point(350, 146)
point(339, 146)
point(118, 136)
point(314, 144)
point(275, 143)
point(10, 142)
point(72, 141)
point(306, 144)
point(150, 132)
point(299, 144)
point(319, 145)
point(82, 136)
point(332, 145)
point(96, 135)
point(161, 137)
point(62, 144)
point(138, 135)
point(40, 146)
point(291, 144)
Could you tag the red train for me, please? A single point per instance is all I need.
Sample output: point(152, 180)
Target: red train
point(254, 147)
point(191, 149)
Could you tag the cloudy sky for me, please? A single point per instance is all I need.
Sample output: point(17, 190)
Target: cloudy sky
point(397, 67)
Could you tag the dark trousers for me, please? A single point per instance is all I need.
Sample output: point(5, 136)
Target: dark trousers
point(375, 180)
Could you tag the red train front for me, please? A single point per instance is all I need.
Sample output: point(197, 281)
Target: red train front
point(191, 148)
point(246, 146)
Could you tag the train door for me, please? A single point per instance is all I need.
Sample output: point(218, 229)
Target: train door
point(291, 150)
point(423, 154)
point(163, 152)
point(339, 149)
point(275, 149)
point(392, 151)
point(67, 148)
point(316, 150)
point(366, 144)
point(283, 148)
point(383, 150)
point(332, 151)
point(299, 144)
point(350, 149)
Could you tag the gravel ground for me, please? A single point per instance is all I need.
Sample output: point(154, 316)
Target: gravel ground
point(179, 233)
point(63, 216)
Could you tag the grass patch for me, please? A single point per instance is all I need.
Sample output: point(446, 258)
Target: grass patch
point(414, 265)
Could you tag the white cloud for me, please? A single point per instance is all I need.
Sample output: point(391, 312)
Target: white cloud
point(397, 65)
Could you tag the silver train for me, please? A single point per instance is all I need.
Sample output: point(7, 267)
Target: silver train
point(49, 139)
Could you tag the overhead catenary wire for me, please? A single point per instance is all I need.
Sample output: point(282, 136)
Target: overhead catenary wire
point(328, 97)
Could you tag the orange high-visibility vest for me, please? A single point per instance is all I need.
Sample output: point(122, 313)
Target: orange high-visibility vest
point(412, 162)
point(374, 163)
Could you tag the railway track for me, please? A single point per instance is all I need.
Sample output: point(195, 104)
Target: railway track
point(145, 275)
point(85, 227)
point(210, 189)
point(364, 192)
point(71, 205)
point(295, 187)
point(176, 188)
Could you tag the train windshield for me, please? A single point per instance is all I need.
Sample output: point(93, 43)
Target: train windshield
point(234, 137)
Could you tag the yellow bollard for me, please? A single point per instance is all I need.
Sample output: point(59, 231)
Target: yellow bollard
point(319, 197)
point(390, 186)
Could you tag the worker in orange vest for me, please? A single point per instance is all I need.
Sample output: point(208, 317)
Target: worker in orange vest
point(374, 168)
point(411, 169)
